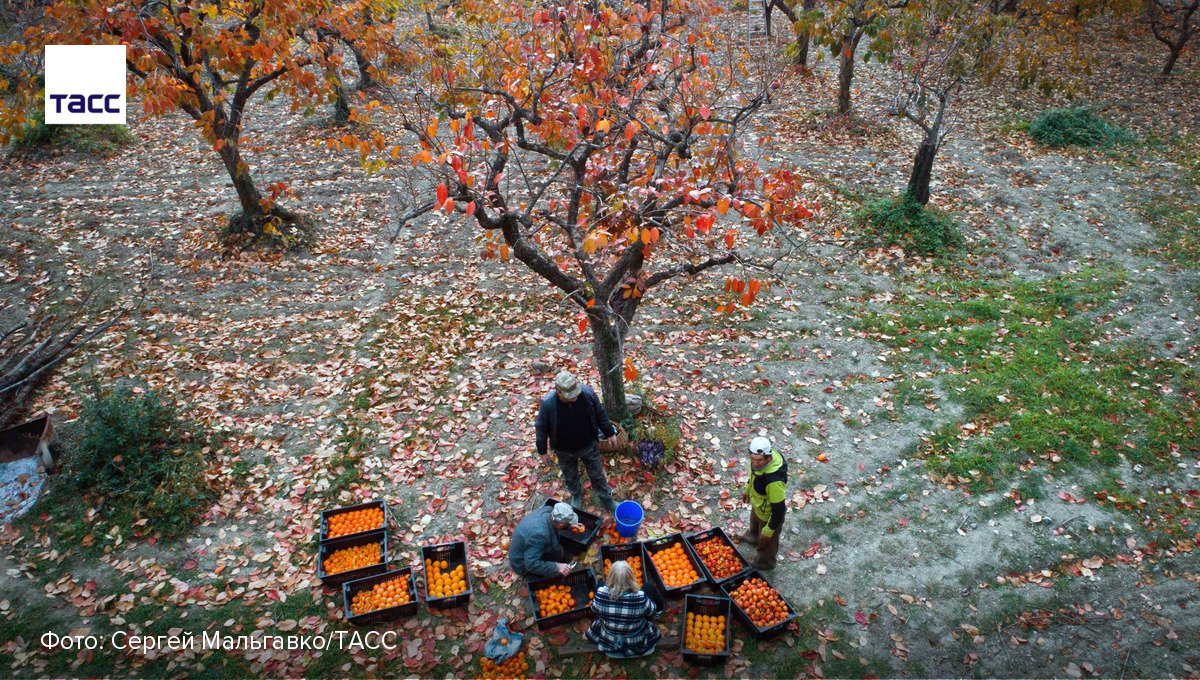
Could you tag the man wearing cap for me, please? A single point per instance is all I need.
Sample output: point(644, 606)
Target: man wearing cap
point(535, 551)
point(570, 417)
point(765, 492)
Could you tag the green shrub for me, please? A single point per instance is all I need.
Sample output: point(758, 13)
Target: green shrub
point(1076, 126)
point(96, 140)
point(917, 228)
point(139, 457)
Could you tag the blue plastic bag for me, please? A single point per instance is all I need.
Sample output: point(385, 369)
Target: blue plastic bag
point(499, 652)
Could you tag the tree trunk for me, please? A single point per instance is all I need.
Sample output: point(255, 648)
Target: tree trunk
point(1176, 49)
point(248, 194)
point(610, 362)
point(341, 106)
point(845, 73)
point(802, 38)
point(922, 172)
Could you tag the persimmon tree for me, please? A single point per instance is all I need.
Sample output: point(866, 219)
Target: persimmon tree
point(211, 59)
point(1173, 23)
point(791, 9)
point(601, 147)
point(841, 25)
point(941, 47)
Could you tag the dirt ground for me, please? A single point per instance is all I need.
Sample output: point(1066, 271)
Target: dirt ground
point(424, 352)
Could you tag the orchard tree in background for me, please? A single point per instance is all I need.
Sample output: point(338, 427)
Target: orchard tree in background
point(841, 26)
point(600, 146)
point(1173, 23)
point(798, 50)
point(941, 46)
point(211, 59)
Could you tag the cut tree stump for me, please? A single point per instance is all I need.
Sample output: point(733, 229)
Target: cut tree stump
point(588, 648)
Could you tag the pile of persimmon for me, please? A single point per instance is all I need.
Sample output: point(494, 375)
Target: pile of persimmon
point(610, 535)
point(634, 562)
point(675, 566)
point(704, 633)
point(352, 558)
point(516, 667)
point(355, 521)
point(383, 595)
point(553, 600)
point(720, 558)
point(761, 603)
point(441, 581)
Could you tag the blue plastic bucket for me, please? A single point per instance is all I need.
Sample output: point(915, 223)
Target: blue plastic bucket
point(629, 517)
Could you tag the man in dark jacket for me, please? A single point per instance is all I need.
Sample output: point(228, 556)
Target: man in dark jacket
point(535, 551)
point(570, 418)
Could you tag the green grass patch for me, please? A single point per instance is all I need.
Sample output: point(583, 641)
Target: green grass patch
point(95, 140)
point(900, 220)
point(1077, 126)
point(1177, 228)
point(1040, 381)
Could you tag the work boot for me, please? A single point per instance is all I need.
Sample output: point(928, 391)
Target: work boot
point(608, 505)
point(746, 538)
point(768, 550)
point(577, 500)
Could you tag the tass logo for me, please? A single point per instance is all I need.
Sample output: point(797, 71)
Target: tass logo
point(85, 84)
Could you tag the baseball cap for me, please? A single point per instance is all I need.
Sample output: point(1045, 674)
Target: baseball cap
point(760, 446)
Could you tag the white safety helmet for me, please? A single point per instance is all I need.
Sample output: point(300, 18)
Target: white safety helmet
point(760, 446)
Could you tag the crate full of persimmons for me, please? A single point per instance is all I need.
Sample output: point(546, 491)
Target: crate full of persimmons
point(382, 597)
point(354, 519)
point(447, 575)
point(673, 566)
point(352, 557)
point(704, 638)
point(558, 600)
point(758, 605)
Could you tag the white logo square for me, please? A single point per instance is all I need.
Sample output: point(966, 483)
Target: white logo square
point(85, 84)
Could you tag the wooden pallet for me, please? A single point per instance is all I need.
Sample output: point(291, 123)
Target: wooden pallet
point(588, 648)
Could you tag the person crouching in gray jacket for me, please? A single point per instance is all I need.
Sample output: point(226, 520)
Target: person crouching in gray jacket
point(535, 551)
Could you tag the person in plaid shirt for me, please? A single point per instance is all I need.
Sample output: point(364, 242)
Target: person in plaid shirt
point(623, 627)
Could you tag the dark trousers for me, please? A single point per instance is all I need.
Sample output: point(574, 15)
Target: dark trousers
point(768, 549)
point(589, 456)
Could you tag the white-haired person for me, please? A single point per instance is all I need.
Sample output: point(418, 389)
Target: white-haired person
point(624, 625)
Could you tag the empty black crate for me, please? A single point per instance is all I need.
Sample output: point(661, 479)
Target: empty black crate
point(352, 588)
point(719, 534)
point(623, 551)
point(761, 633)
point(657, 545)
point(327, 548)
point(577, 543)
point(326, 514)
point(583, 586)
point(703, 605)
point(454, 554)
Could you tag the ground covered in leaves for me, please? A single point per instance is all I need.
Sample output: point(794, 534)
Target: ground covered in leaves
point(994, 455)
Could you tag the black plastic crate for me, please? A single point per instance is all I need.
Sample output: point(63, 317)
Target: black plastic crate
point(326, 514)
point(621, 551)
point(352, 588)
point(659, 544)
point(703, 605)
point(720, 535)
point(761, 633)
point(582, 583)
point(454, 554)
point(331, 546)
point(577, 543)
